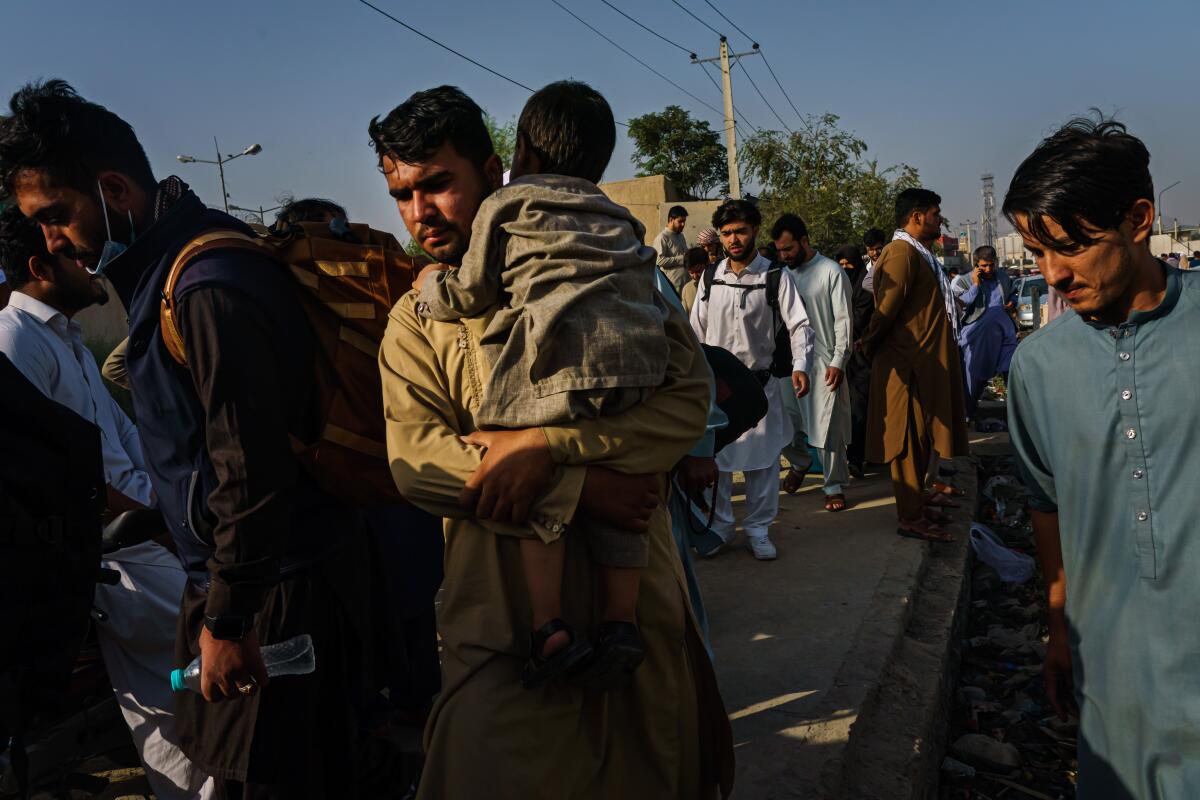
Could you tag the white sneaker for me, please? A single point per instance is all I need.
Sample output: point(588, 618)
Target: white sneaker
point(762, 548)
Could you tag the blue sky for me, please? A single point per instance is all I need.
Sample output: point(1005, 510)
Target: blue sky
point(956, 89)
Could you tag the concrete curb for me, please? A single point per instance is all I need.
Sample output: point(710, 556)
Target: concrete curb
point(899, 669)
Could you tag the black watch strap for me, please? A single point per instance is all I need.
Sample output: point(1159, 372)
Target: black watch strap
point(227, 627)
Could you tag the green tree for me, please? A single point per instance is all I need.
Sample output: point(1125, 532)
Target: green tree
point(504, 138)
point(674, 143)
point(820, 173)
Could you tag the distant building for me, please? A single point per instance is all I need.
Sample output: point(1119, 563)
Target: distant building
point(949, 245)
point(1010, 249)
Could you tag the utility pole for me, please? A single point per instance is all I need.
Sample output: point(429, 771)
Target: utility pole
point(735, 182)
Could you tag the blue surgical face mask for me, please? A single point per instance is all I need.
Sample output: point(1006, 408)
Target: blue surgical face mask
point(111, 249)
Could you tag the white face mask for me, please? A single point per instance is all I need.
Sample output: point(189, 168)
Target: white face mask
point(111, 249)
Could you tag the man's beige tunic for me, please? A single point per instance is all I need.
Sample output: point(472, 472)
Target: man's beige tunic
point(665, 736)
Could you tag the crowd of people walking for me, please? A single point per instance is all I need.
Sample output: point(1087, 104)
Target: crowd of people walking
point(553, 418)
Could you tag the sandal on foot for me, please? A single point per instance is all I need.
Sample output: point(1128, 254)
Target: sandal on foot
point(948, 490)
point(835, 502)
point(539, 669)
point(619, 651)
point(925, 531)
point(792, 481)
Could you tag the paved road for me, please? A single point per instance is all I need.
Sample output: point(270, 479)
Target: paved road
point(782, 631)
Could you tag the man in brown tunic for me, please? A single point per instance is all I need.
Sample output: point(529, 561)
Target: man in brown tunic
point(666, 735)
point(917, 407)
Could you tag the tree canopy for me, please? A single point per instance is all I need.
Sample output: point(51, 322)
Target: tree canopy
point(820, 172)
point(504, 138)
point(673, 143)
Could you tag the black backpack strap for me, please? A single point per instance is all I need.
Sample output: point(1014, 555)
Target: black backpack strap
point(710, 273)
point(774, 277)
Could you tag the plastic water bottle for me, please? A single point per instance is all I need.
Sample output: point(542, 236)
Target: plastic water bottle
point(293, 656)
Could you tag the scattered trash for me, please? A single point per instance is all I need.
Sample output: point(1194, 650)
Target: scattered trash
point(987, 753)
point(1013, 567)
point(1003, 739)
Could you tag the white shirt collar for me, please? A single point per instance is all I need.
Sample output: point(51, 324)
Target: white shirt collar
point(33, 307)
point(759, 264)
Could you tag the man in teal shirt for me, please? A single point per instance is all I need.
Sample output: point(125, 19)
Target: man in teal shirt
point(1104, 413)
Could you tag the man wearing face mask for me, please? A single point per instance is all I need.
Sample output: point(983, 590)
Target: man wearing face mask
point(269, 556)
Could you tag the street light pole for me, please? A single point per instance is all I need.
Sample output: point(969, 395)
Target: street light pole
point(1160, 214)
point(221, 169)
point(253, 149)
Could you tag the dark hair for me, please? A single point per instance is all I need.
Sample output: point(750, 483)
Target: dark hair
point(570, 127)
point(736, 211)
point(769, 250)
point(676, 212)
point(51, 129)
point(874, 237)
point(417, 128)
point(1086, 175)
point(695, 255)
point(985, 251)
point(790, 223)
point(852, 254)
point(20, 240)
point(309, 209)
point(913, 200)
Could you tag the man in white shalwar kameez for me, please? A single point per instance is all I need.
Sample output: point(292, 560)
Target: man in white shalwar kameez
point(736, 314)
point(137, 638)
point(824, 415)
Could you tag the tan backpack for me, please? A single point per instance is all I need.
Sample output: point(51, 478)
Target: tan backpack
point(347, 289)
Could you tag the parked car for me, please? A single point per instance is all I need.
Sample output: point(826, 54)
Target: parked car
point(1024, 295)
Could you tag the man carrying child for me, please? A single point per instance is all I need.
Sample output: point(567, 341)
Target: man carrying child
point(665, 732)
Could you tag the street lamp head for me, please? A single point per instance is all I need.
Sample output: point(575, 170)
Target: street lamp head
point(184, 159)
point(252, 150)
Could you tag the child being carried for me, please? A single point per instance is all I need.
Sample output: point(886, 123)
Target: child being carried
point(579, 334)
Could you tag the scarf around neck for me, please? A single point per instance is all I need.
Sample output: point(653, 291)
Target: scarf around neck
point(943, 280)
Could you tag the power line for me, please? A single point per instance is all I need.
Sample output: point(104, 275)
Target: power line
point(445, 47)
point(786, 96)
point(752, 126)
point(677, 46)
point(738, 61)
point(631, 55)
point(780, 85)
point(731, 22)
point(651, 31)
point(688, 11)
point(460, 55)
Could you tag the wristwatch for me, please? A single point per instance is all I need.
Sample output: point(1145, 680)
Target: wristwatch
point(227, 627)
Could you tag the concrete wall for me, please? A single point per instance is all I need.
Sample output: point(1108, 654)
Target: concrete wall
point(644, 196)
point(699, 217)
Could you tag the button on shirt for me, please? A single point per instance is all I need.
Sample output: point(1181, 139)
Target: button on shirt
point(1106, 424)
point(740, 320)
point(49, 351)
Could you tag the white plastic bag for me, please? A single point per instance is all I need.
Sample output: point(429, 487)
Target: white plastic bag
point(1013, 567)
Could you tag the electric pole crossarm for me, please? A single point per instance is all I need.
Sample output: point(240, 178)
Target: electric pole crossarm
point(716, 59)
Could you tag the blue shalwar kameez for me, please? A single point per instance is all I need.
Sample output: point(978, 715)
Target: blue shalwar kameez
point(988, 342)
point(1106, 423)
